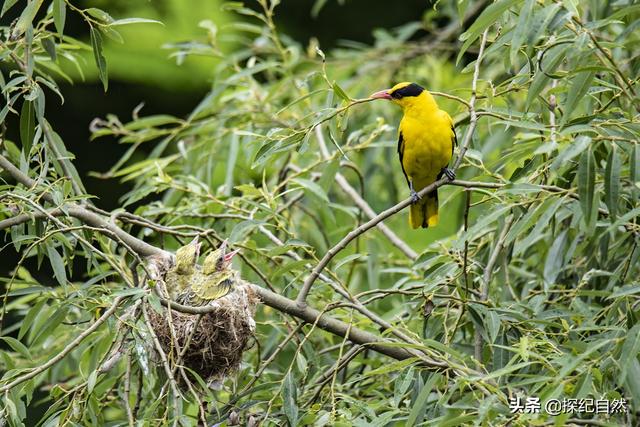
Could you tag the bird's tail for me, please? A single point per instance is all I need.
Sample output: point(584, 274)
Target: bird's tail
point(424, 213)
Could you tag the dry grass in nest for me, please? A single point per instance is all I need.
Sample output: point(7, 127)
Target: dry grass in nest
point(216, 346)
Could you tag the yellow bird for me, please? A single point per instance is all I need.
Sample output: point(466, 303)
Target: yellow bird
point(425, 145)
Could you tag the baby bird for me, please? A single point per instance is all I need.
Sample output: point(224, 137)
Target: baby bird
point(187, 256)
point(216, 281)
point(180, 275)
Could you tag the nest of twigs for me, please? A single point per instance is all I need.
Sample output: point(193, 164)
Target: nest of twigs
point(214, 341)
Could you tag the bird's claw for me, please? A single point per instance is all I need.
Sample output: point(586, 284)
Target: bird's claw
point(414, 197)
point(449, 173)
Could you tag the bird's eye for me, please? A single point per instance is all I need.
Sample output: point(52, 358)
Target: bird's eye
point(396, 95)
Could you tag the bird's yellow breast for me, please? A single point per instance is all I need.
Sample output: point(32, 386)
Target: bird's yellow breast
point(428, 140)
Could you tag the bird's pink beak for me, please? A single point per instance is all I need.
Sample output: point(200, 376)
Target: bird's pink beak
point(383, 94)
point(228, 257)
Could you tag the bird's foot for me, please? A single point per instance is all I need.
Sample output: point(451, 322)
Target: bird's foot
point(449, 173)
point(414, 196)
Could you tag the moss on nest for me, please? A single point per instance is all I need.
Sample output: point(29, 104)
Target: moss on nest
point(216, 346)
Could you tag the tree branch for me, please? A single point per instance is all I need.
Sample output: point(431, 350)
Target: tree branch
point(272, 299)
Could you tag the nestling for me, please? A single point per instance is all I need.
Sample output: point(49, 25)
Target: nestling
point(179, 277)
point(215, 281)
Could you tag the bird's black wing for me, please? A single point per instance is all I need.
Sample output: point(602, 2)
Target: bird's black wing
point(455, 139)
point(401, 155)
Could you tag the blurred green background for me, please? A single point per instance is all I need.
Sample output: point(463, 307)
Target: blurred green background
point(143, 69)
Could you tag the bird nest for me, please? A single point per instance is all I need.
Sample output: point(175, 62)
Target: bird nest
point(214, 341)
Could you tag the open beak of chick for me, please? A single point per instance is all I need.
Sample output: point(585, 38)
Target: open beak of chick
point(228, 257)
point(383, 94)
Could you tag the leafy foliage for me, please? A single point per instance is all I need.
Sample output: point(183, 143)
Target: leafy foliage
point(527, 288)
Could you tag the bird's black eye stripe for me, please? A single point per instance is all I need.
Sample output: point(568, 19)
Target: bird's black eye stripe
point(410, 90)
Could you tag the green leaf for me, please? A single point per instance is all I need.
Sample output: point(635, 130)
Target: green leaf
point(521, 29)
point(629, 352)
point(276, 146)
point(632, 385)
point(27, 321)
point(231, 163)
point(50, 324)
point(50, 47)
point(501, 372)
point(317, 7)
point(67, 157)
point(242, 229)
point(7, 5)
point(586, 181)
point(419, 407)
point(26, 18)
point(500, 354)
point(555, 259)
point(59, 15)
point(313, 188)
point(612, 182)
point(40, 104)
point(91, 381)
point(487, 18)
point(574, 149)
point(287, 267)
point(129, 21)
point(392, 366)
point(101, 62)
point(100, 15)
point(571, 6)
point(403, 382)
point(17, 346)
point(340, 92)
point(579, 87)
point(492, 324)
point(349, 258)
point(541, 22)
point(290, 399)
point(27, 126)
point(57, 263)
